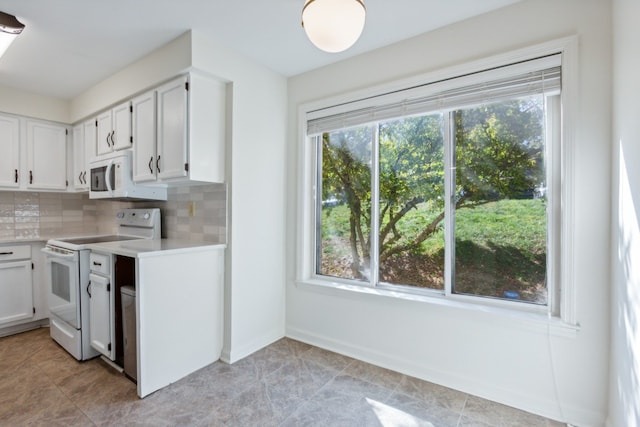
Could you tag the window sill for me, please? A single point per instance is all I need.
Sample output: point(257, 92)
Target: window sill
point(530, 320)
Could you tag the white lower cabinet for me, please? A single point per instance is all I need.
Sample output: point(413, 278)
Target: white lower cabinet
point(16, 284)
point(101, 302)
point(100, 319)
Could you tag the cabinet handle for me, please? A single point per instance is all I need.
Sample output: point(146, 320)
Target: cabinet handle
point(113, 133)
point(99, 264)
point(30, 177)
point(6, 253)
point(84, 177)
point(108, 138)
point(158, 164)
point(150, 162)
point(80, 177)
point(15, 174)
point(89, 288)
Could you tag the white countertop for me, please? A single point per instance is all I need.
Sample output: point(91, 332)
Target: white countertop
point(153, 247)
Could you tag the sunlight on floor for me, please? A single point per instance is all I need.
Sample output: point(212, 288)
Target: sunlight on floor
point(393, 417)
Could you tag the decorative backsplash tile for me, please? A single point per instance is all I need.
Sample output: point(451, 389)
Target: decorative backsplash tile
point(196, 213)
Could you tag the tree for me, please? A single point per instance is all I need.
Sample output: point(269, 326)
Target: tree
point(499, 152)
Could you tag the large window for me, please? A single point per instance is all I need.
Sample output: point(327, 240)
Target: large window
point(445, 188)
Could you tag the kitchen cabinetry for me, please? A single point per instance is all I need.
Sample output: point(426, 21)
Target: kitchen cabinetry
point(84, 149)
point(46, 156)
point(33, 154)
point(114, 129)
point(16, 284)
point(101, 303)
point(189, 132)
point(171, 304)
point(10, 149)
point(144, 136)
point(24, 286)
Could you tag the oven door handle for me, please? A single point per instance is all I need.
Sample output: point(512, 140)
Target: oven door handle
point(57, 254)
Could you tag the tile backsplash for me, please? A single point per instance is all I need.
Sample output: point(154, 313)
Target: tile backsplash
point(196, 213)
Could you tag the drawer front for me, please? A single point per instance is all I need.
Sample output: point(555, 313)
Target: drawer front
point(15, 252)
point(100, 263)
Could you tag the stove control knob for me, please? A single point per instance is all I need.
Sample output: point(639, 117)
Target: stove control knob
point(120, 215)
point(146, 215)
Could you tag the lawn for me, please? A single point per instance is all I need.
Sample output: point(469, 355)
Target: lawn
point(500, 250)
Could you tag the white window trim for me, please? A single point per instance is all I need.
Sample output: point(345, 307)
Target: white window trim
point(560, 318)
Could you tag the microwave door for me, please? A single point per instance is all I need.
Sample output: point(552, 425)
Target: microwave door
point(110, 177)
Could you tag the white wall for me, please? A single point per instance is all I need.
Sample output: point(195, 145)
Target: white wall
point(490, 355)
point(624, 408)
point(256, 166)
point(30, 104)
point(255, 170)
point(156, 67)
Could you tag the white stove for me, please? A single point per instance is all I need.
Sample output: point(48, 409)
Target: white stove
point(68, 263)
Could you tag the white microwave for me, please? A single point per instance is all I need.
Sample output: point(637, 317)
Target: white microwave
point(112, 178)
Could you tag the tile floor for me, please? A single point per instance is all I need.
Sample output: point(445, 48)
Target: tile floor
point(286, 384)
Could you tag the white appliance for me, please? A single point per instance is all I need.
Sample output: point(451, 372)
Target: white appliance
point(68, 264)
point(111, 177)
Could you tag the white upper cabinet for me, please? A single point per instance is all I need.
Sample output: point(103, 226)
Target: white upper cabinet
point(90, 141)
point(79, 172)
point(172, 142)
point(190, 132)
point(144, 137)
point(10, 149)
point(84, 149)
point(46, 156)
point(114, 129)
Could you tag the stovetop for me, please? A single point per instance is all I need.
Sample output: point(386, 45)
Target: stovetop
point(96, 239)
point(131, 223)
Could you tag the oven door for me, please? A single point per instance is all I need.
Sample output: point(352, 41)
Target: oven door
point(64, 292)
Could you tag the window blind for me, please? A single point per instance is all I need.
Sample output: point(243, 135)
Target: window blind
point(537, 76)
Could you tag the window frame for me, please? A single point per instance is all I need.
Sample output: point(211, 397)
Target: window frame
point(561, 296)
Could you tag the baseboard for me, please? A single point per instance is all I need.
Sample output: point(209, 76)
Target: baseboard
point(232, 355)
point(24, 327)
point(546, 407)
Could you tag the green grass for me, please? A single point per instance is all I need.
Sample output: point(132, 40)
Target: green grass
point(500, 247)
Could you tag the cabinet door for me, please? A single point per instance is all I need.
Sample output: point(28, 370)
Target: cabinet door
point(79, 159)
point(46, 156)
point(90, 141)
point(144, 137)
point(172, 129)
point(121, 137)
point(10, 149)
point(16, 294)
point(105, 133)
point(100, 318)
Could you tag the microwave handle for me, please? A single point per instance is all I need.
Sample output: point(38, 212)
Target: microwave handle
point(107, 174)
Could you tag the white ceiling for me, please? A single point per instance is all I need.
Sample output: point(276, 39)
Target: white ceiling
point(70, 45)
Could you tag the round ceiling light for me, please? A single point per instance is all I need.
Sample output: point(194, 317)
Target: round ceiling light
point(333, 25)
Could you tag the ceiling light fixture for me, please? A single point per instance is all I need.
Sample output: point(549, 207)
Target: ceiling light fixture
point(333, 25)
point(10, 28)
